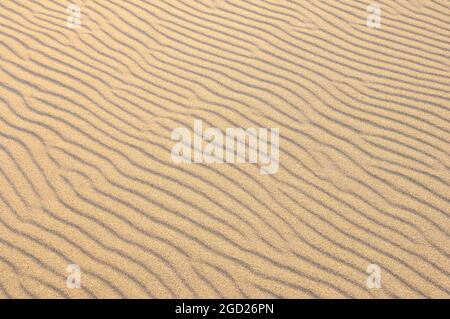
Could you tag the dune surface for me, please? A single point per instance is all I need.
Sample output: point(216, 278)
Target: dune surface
point(88, 104)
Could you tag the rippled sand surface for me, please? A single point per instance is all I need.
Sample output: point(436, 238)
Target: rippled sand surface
point(86, 175)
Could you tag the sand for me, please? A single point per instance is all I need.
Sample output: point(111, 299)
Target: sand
point(86, 175)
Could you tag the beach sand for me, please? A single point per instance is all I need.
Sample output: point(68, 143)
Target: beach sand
point(86, 176)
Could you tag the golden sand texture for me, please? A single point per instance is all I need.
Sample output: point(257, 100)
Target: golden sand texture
point(86, 175)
